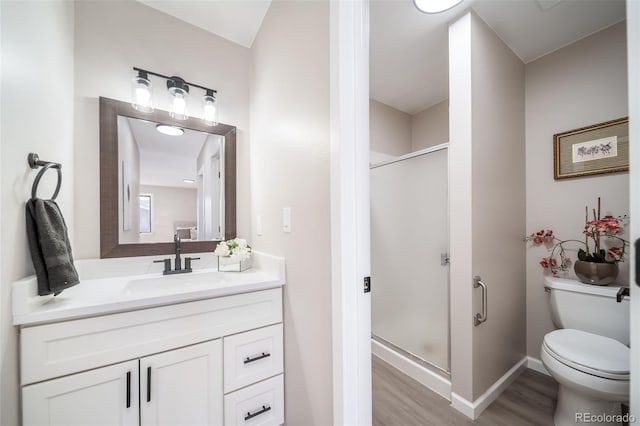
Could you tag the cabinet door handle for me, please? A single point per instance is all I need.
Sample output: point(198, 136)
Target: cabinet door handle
point(262, 410)
point(250, 359)
point(128, 389)
point(148, 384)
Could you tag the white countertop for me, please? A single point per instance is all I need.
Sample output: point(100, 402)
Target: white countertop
point(105, 292)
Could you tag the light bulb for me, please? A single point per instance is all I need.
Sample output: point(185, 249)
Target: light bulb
point(178, 108)
point(141, 93)
point(143, 97)
point(209, 109)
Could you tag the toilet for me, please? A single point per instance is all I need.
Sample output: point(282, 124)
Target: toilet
point(589, 354)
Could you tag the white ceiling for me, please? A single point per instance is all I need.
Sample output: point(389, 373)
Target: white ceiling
point(235, 20)
point(408, 49)
point(166, 160)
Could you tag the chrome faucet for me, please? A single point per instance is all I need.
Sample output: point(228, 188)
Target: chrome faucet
point(178, 262)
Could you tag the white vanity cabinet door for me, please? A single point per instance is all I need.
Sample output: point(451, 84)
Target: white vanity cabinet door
point(106, 396)
point(182, 386)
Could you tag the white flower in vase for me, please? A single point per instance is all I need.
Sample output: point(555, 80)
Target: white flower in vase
point(222, 249)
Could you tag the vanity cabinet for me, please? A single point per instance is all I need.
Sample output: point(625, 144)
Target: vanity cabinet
point(209, 362)
point(183, 386)
point(253, 377)
point(97, 397)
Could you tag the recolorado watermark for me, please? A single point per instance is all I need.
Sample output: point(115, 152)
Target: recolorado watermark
point(605, 418)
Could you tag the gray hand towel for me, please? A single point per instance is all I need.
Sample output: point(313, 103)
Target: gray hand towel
point(50, 247)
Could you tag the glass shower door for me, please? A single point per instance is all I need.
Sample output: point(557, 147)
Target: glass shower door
point(409, 233)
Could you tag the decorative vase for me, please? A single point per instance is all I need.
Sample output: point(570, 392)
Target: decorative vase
point(596, 273)
point(231, 264)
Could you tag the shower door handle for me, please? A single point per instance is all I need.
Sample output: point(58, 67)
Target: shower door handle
point(480, 318)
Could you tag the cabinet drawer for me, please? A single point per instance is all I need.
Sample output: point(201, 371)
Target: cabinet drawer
point(252, 356)
point(260, 404)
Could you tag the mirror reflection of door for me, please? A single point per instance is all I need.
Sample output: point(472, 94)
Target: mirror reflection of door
point(201, 215)
point(180, 175)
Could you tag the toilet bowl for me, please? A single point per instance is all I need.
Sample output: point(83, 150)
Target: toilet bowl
point(593, 374)
point(589, 354)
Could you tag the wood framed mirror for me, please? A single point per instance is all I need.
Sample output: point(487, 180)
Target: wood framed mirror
point(154, 186)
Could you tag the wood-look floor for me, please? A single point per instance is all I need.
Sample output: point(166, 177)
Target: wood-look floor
point(398, 400)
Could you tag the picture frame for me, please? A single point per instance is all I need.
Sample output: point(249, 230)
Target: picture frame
point(592, 150)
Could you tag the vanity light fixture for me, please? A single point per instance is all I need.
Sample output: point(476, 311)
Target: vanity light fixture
point(179, 90)
point(435, 6)
point(141, 92)
point(169, 130)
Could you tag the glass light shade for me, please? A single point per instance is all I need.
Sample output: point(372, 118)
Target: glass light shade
point(141, 94)
point(435, 6)
point(178, 108)
point(210, 110)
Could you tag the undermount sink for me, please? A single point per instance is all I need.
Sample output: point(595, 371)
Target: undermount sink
point(174, 283)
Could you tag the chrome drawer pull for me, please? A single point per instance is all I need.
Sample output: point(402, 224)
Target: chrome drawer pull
point(263, 355)
point(262, 410)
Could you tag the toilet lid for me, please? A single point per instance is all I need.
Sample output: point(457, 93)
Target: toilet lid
point(593, 354)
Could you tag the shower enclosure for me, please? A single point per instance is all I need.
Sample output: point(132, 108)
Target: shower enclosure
point(409, 260)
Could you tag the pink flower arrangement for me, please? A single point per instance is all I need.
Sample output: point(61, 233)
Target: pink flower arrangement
point(608, 227)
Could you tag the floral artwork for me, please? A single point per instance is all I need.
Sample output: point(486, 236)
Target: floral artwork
point(594, 150)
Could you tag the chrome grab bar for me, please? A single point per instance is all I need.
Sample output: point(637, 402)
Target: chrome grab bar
point(480, 318)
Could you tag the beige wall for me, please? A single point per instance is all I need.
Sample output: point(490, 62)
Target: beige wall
point(290, 168)
point(498, 201)
point(111, 38)
point(389, 129)
point(430, 127)
point(579, 85)
point(460, 208)
point(486, 205)
point(37, 106)
point(394, 132)
point(170, 206)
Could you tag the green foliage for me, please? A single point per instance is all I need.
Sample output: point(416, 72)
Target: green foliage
point(596, 257)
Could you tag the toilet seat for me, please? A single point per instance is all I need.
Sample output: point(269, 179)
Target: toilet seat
point(592, 354)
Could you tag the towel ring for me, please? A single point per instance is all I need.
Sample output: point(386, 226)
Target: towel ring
point(34, 163)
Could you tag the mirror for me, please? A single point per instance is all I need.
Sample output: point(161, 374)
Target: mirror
point(154, 185)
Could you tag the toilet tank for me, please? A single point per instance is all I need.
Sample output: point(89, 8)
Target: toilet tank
point(588, 308)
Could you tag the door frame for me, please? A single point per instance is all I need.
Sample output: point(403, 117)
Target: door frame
point(633, 61)
point(350, 244)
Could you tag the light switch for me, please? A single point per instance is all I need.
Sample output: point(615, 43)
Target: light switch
point(286, 219)
point(259, 225)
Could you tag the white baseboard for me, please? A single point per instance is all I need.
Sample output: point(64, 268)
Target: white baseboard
point(536, 365)
point(427, 378)
point(475, 408)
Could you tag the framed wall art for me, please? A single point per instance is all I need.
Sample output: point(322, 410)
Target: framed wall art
point(592, 150)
